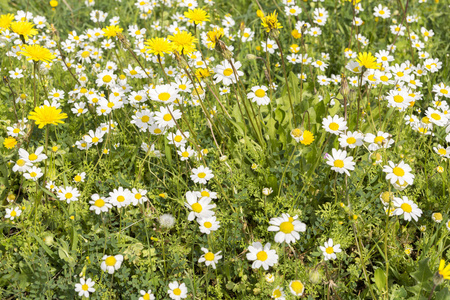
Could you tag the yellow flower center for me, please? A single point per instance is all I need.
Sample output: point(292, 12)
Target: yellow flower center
point(167, 117)
point(197, 207)
point(398, 171)
point(32, 157)
point(77, 178)
point(286, 227)
point(33, 174)
point(351, 140)
point(177, 292)
point(261, 255)
point(209, 256)
point(138, 196)
point(21, 162)
point(378, 139)
point(95, 139)
point(120, 198)
point(145, 119)
point(205, 194)
point(110, 104)
point(207, 224)
point(146, 296)
point(13, 213)
point(107, 78)
point(297, 287)
point(406, 207)
point(164, 96)
point(227, 72)
point(99, 203)
point(329, 250)
point(334, 126)
point(260, 93)
point(110, 261)
point(157, 130)
point(84, 287)
point(178, 138)
point(442, 151)
point(436, 116)
point(276, 294)
point(185, 154)
point(339, 163)
point(68, 195)
point(398, 98)
point(444, 91)
point(201, 175)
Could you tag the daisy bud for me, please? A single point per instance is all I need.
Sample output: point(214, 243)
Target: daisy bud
point(438, 278)
point(270, 278)
point(315, 277)
point(223, 158)
point(251, 57)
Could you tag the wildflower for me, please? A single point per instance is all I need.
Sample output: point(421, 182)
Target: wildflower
point(5, 21)
point(254, 166)
point(269, 278)
point(399, 173)
point(209, 258)
point(351, 139)
point(68, 194)
point(167, 221)
point(33, 173)
point(368, 61)
point(99, 204)
point(262, 256)
point(406, 207)
point(208, 224)
point(267, 191)
point(437, 217)
point(111, 31)
point(381, 140)
point(9, 142)
point(199, 208)
point(24, 28)
point(423, 228)
point(165, 116)
point(339, 161)
point(44, 115)
point(166, 93)
point(177, 291)
point(278, 293)
point(213, 36)
point(335, 124)
point(37, 53)
point(146, 295)
point(158, 46)
point(308, 138)
point(183, 42)
point(224, 72)
point(138, 196)
point(120, 197)
point(111, 263)
point(408, 250)
point(197, 16)
point(329, 251)
point(297, 288)
point(270, 22)
point(258, 95)
point(288, 228)
point(201, 175)
point(85, 287)
point(12, 213)
point(80, 177)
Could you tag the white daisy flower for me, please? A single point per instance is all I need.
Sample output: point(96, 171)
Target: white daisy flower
point(399, 173)
point(201, 175)
point(329, 251)
point(99, 204)
point(177, 291)
point(85, 287)
point(12, 213)
point(407, 208)
point(111, 263)
point(288, 228)
point(209, 258)
point(262, 256)
point(339, 161)
point(199, 208)
point(334, 124)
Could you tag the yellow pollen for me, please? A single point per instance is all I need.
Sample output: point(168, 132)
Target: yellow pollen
point(227, 72)
point(406, 207)
point(207, 224)
point(260, 93)
point(209, 256)
point(120, 198)
point(197, 207)
point(68, 195)
point(286, 227)
point(261, 255)
point(398, 171)
point(339, 163)
point(334, 126)
point(110, 261)
point(329, 250)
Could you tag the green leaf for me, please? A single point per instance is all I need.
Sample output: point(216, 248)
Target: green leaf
point(380, 279)
point(443, 295)
point(43, 245)
point(423, 272)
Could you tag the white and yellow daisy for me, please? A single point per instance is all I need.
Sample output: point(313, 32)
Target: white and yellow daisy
point(329, 250)
point(339, 161)
point(210, 258)
point(262, 256)
point(407, 208)
point(287, 228)
point(111, 263)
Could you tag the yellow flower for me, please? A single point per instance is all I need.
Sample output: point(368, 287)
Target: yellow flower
point(214, 36)
point(260, 13)
point(183, 42)
point(296, 34)
point(53, 3)
point(47, 115)
point(270, 22)
point(444, 272)
point(5, 21)
point(202, 73)
point(26, 29)
point(9, 142)
point(308, 138)
point(198, 16)
point(158, 46)
point(112, 31)
point(368, 60)
point(37, 53)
